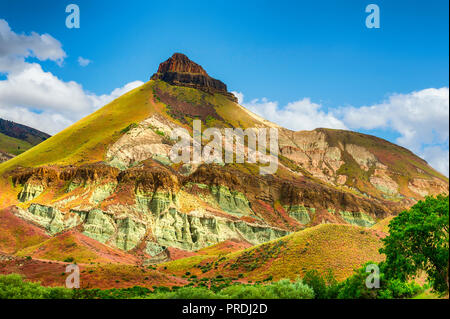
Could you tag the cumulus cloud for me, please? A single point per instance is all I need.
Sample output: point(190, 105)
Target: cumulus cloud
point(33, 88)
point(420, 118)
point(15, 48)
point(100, 100)
point(437, 157)
point(239, 96)
point(83, 62)
point(45, 121)
point(298, 115)
point(33, 97)
point(43, 101)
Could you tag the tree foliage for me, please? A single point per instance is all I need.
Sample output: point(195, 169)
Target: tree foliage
point(419, 240)
point(354, 287)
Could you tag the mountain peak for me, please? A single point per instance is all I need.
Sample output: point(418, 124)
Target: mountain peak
point(180, 70)
point(180, 63)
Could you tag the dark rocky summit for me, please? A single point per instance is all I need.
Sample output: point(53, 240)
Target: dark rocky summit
point(180, 70)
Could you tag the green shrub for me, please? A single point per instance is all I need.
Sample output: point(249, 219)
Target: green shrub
point(14, 287)
point(192, 293)
point(128, 128)
point(400, 289)
point(354, 287)
point(313, 279)
point(242, 292)
point(283, 289)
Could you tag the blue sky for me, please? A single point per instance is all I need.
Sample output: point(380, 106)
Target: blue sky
point(279, 49)
point(283, 51)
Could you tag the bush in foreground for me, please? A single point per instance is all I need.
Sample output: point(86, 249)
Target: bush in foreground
point(314, 285)
point(355, 287)
point(13, 287)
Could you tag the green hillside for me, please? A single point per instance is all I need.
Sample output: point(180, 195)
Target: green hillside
point(86, 140)
point(341, 248)
point(13, 145)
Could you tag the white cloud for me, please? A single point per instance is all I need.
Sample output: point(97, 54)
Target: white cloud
point(299, 115)
point(58, 103)
point(240, 97)
point(83, 62)
point(34, 88)
point(437, 157)
point(49, 122)
point(420, 119)
point(14, 48)
point(100, 100)
point(33, 97)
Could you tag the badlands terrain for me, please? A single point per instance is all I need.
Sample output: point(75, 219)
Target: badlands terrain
point(104, 193)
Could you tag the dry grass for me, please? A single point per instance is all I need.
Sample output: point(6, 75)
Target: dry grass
point(341, 248)
point(81, 248)
point(86, 141)
point(16, 234)
point(383, 225)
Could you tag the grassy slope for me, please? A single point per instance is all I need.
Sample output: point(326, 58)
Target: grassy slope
point(383, 225)
point(78, 246)
point(399, 159)
point(232, 115)
point(86, 140)
point(13, 145)
point(16, 234)
point(103, 276)
point(341, 248)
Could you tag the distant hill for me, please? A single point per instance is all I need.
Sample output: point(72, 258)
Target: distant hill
point(17, 138)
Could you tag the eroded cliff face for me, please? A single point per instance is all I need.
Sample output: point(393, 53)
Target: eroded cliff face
point(371, 170)
point(146, 205)
point(148, 139)
point(425, 186)
point(311, 151)
point(139, 201)
point(151, 206)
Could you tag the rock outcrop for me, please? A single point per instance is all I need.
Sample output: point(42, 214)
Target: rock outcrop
point(180, 70)
point(5, 156)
